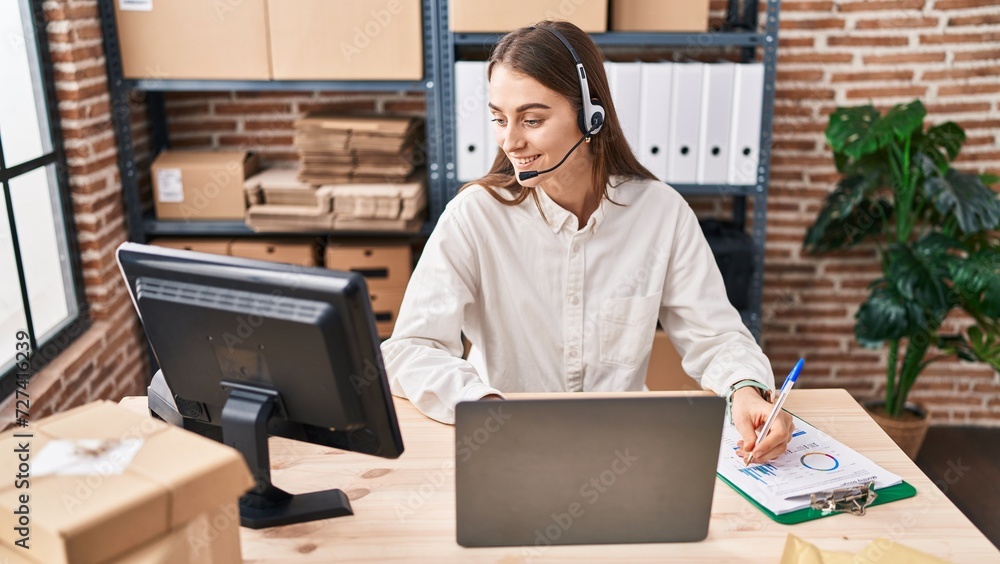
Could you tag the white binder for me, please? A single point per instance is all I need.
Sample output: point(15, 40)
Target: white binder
point(748, 101)
point(654, 112)
point(611, 70)
point(471, 93)
point(716, 122)
point(626, 98)
point(685, 114)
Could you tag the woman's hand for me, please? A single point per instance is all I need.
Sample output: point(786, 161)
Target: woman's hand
point(750, 411)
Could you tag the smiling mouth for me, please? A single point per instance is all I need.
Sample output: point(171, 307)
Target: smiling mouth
point(527, 161)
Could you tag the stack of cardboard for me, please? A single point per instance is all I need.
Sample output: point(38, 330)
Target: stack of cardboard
point(336, 148)
point(280, 186)
point(281, 202)
point(385, 206)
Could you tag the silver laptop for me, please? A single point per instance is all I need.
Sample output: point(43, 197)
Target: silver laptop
point(586, 470)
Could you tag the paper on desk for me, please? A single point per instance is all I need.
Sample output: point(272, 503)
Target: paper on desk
point(881, 550)
point(814, 462)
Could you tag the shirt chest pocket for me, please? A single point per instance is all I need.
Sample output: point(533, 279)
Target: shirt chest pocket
point(626, 327)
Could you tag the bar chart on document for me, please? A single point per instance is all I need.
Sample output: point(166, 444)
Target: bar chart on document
point(813, 462)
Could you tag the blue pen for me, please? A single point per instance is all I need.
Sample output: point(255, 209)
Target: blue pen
point(782, 395)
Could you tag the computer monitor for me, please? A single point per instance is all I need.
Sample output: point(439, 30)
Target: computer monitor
point(260, 348)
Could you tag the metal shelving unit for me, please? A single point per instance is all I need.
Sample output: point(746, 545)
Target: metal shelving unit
point(627, 38)
point(749, 41)
point(142, 226)
point(155, 228)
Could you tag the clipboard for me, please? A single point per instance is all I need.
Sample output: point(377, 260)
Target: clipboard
point(901, 490)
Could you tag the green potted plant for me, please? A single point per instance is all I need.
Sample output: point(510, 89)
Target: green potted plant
point(934, 229)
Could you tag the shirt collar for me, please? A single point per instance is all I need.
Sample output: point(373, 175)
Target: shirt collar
point(554, 215)
point(557, 217)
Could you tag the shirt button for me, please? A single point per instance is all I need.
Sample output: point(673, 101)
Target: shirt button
point(574, 300)
point(572, 353)
point(576, 248)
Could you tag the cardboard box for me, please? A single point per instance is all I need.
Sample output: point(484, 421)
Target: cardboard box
point(659, 15)
point(385, 306)
point(477, 16)
point(324, 40)
point(212, 537)
point(120, 502)
point(385, 267)
point(201, 185)
point(193, 39)
point(201, 245)
point(292, 251)
point(665, 372)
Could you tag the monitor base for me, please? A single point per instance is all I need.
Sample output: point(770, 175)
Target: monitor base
point(299, 508)
point(244, 427)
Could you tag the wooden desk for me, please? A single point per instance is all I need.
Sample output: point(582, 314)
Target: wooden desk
point(405, 508)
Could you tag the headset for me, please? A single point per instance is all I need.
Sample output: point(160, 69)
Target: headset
point(591, 116)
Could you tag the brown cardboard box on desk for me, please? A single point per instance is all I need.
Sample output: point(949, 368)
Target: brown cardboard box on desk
point(107, 485)
point(201, 185)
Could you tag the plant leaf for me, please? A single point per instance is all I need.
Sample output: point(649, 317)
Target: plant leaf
point(860, 130)
point(942, 143)
point(920, 272)
point(849, 131)
point(977, 280)
point(932, 164)
point(847, 216)
point(975, 206)
point(986, 346)
point(887, 315)
point(957, 345)
point(901, 121)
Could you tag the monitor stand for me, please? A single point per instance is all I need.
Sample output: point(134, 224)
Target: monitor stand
point(244, 427)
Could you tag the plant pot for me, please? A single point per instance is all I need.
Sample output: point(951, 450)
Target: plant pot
point(907, 432)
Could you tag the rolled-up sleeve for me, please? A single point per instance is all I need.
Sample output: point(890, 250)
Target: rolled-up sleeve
point(423, 356)
point(715, 346)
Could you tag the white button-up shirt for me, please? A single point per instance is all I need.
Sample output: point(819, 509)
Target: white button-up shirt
point(553, 307)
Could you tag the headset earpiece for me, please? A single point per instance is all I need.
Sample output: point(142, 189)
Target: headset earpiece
point(591, 120)
point(591, 116)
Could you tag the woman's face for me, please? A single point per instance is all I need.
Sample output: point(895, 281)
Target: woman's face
point(535, 127)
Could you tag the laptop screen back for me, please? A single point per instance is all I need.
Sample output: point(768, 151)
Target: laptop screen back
point(586, 470)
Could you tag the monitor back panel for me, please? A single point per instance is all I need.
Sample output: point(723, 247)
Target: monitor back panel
point(586, 471)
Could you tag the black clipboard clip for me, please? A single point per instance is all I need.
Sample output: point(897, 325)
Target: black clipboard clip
point(854, 500)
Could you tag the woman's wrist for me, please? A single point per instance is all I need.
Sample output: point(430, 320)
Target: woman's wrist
point(748, 390)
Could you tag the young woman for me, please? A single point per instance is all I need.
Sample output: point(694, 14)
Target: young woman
point(559, 262)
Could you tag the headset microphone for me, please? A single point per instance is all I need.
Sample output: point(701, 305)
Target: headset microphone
point(529, 174)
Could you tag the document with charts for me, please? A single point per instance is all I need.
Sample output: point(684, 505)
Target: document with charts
point(814, 462)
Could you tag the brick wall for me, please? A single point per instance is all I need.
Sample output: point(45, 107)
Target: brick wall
point(106, 360)
point(945, 52)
